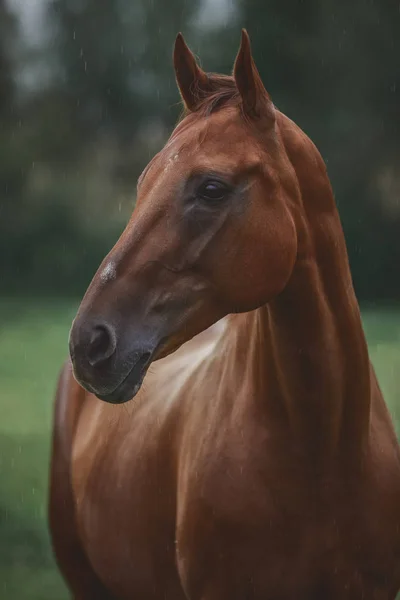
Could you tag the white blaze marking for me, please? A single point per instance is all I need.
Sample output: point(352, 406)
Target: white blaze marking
point(109, 272)
point(171, 161)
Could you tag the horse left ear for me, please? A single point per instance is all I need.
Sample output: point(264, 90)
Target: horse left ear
point(255, 99)
point(193, 82)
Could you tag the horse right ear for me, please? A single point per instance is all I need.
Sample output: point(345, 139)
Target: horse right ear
point(193, 82)
point(256, 102)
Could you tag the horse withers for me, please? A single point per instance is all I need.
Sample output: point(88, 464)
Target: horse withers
point(257, 459)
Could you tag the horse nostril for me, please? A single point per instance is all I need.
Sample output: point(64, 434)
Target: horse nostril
point(102, 345)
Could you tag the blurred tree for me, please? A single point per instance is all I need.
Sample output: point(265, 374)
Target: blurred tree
point(85, 134)
point(114, 62)
point(71, 150)
point(7, 32)
point(334, 69)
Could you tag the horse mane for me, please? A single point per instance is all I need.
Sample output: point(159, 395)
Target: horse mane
point(222, 91)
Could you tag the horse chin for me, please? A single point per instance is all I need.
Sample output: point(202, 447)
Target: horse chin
point(130, 385)
point(122, 394)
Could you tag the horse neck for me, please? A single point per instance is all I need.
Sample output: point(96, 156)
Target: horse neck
point(306, 350)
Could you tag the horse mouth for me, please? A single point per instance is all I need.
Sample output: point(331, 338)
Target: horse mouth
point(130, 385)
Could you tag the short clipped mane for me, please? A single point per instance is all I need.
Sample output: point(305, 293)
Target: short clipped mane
point(223, 92)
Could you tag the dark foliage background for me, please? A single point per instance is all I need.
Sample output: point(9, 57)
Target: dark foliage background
point(86, 104)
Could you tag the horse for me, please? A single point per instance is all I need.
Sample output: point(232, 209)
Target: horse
point(219, 431)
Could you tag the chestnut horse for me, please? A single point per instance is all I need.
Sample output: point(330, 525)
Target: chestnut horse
point(258, 461)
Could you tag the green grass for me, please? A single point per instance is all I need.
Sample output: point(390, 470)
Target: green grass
point(33, 345)
point(382, 328)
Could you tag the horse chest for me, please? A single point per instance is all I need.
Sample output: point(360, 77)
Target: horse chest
point(125, 515)
point(261, 538)
point(235, 528)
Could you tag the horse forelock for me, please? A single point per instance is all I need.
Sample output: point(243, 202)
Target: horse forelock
point(223, 92)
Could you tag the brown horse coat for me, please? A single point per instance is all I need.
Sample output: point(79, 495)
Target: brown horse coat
point(258, 460)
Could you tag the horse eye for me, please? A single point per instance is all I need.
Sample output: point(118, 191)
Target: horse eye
point(212, 190)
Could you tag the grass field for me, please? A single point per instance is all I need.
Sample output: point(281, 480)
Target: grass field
point(33, 344)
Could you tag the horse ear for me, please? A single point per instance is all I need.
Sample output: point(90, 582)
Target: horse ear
point(193, 82)
point(255, 99)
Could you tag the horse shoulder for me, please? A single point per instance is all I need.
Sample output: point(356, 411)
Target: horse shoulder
point(68, 550)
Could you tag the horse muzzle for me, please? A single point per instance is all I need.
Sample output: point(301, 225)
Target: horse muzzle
point(107, 363)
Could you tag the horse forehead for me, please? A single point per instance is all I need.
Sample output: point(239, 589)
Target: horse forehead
point(217, 141)
point(220, 135)
point(222, 131)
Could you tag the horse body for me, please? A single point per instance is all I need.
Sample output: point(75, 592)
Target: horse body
point(232, 507)
point(258, 460)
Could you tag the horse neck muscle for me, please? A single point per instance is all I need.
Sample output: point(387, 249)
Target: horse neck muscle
point(308, 353)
